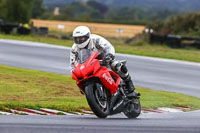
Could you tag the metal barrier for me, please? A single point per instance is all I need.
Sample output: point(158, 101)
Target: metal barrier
point(175, 41)
point(8, 28)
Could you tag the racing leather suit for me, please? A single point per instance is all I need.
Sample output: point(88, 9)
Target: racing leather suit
point(100, 44)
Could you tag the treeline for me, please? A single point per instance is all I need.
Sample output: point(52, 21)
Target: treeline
point(20, 11)
point(186, 25)
point(93, 11)
point(161, 21)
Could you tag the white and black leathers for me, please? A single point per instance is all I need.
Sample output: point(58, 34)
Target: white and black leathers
point(96, 43)
point(100, 44)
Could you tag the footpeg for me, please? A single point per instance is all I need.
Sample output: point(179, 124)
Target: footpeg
point(133, 95)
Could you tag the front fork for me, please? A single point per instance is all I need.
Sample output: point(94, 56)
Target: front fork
point(100, 90)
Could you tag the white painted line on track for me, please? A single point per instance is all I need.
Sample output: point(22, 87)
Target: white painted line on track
point(172, 110)
point(34, 111)
point(152, 110)
point(45, 111)
point(52, 111)
point(21, 112)
point(6, 113)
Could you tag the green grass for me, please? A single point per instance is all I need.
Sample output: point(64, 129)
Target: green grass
point(21, 88)
point(34, 89)
point(137, 48)
point(156, 50)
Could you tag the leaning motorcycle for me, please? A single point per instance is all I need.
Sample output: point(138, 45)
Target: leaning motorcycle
point(105, 91)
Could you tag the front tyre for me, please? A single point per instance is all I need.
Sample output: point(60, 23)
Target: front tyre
point(99, 106)
point(133, 108)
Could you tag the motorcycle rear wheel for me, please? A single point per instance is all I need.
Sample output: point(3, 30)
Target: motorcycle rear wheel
point(99, 107)
point(133, 109)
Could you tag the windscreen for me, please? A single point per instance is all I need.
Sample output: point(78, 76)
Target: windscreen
point(83, 55)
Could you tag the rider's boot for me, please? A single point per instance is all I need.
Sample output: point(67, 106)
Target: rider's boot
point(121, 69)
point(130, 87)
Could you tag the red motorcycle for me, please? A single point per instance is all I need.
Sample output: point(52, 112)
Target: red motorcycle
point(105, 91)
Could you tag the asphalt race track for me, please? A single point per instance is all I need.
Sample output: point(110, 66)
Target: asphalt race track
point(154, 73)
point(146, 123)
point(160, 74)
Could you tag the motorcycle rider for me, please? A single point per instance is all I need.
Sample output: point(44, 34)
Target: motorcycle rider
point(83, 39)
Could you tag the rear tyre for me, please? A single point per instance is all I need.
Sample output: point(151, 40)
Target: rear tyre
point(133, 109)
point(99, 106)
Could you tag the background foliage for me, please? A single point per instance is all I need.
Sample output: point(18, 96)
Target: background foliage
point(93, 11)
point(20, 11)
point(187, 24)
point(163, 19)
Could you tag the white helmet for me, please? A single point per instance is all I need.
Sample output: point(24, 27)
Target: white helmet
point(81, 35)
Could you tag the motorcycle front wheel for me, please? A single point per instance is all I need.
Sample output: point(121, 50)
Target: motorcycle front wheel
point(99, 106)
point(133, 109)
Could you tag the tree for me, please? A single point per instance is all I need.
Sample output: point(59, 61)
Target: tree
point(99, 6)
point(3, 10)
point(188, 24)
point(37, 9)
point(79, 11)
point(20, 11)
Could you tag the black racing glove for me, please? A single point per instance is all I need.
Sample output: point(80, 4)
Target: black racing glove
point(108, 59)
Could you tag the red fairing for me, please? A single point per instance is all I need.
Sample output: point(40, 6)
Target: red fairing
point(92, 68)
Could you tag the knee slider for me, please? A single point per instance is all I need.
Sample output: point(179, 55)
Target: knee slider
point(116, 66)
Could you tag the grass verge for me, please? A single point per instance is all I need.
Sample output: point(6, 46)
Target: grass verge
point(23, 88)
point(137, 48)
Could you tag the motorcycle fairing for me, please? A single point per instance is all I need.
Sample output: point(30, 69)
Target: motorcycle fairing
point(92, 68)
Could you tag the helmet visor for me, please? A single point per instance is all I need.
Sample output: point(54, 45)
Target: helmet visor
point(81, 39)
